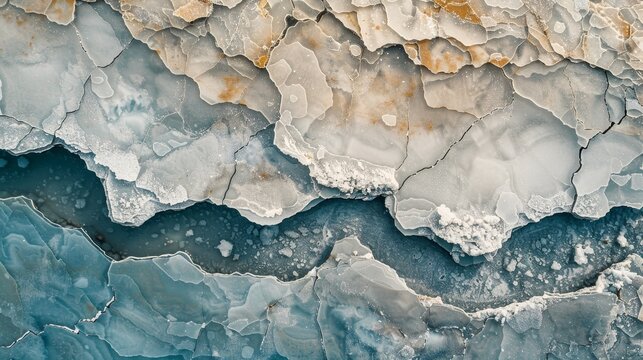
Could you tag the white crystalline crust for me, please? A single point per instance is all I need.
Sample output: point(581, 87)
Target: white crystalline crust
point(473, 117)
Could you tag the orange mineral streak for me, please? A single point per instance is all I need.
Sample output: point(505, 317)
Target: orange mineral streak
point(478, 55)
point(232, 89)
point(410, 90)
point(351, 17)
point(261, 5)
point(500, 61)
point(623, 28)
point(62, 10)
point(615, 20)
point(261, 61)
point(402, 126)
point(311, 42)
point(459, 8)
point(448, 62)
point(416, 126)
point(263, 175)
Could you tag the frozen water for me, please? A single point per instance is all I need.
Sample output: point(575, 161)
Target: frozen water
point(57, 179)
point(216, 152)
point(185, 312)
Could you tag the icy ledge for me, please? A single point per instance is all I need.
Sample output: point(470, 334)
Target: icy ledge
point(144, 131)
point(63, 298)
point(473, 118)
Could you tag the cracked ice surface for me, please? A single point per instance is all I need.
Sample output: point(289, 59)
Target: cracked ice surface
point(111, 309)
point(473, 118)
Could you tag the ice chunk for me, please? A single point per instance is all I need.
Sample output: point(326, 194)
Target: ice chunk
point(225, 247)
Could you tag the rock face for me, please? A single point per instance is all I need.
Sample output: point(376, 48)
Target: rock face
point(473, 118)
point(63, 298)
point(463, 119)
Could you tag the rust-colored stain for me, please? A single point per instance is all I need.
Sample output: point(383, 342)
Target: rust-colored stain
point(477, 54)
point(500, 61)
point(410, 89)
point(61, 9)
point(264, 175)
point(614, 18)
point(623, 27)
point(261, 61)
point(261, 6)
point(447, 62)
point(232, 89)
point(312, 43)
point(425, 54)
point(420, 127)
point(352, 19)
point(459, 8)
point(402, 126)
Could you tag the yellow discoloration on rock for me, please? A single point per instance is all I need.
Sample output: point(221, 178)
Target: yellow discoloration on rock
point(446, 62)
point(478, 55)
point(261, 61)
point(232, 90)
point(193, 10)
point(61, 11)
point(459, 8)
point(261, 6)
point(500, 61)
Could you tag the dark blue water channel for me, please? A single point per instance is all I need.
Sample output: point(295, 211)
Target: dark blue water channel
point(70, 195)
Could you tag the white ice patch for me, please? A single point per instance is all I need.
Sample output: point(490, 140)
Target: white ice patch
point(225, 247)
point(475, 235)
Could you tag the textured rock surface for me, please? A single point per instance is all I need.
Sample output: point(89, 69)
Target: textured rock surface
point(462, 120)
point(167, 307)
point(473, 117)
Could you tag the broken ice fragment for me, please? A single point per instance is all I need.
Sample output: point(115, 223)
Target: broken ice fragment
point(225, 247)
